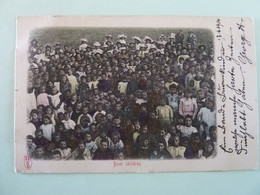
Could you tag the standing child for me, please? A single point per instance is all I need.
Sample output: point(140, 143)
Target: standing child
point(207, 118)
point(47, 127)
point(188, 105)
point(165, 113)
point(173, 98)
point(68, 123)
point(73, 81)
point(55, 101)
point(42, 98)
point(187, 129)
point(83, 88)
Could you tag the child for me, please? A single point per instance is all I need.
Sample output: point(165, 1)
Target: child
point(30, 146)
point(42, 98)
point(65, 150)
point(102, 135)
point(188, 105)
point(116, 127)
point(187, 129)
point(143, 115)
point(144, 151)
point(173, 98)
point(34, 119)
point(56, 155)
point(116, 145)
point(81, 153)
point(73, 81)
point(39, 153)
point(165, 113)
point(165, 135)
point(143, 99)
point(68, 123)
point(64, 85)
point(103, 152)
point(55, 101)
point(122, 86)
point(83, 88)
point(153, 123)
point(207, 118)
point(47, 128)
point(176, 151)
point(120, 155)
point(161, 153)
point(90, 145)
point(99, 110)
point(208, 150)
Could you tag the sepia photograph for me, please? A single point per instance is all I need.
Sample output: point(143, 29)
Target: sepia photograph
point(130, 98)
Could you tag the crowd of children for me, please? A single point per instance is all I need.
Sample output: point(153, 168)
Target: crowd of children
point(121, 99)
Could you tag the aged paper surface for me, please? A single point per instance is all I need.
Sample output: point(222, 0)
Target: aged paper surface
point(135, 94)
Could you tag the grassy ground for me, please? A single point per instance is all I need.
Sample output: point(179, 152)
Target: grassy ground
point(71, 36)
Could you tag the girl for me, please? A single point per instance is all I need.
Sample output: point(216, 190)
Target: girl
point(208, 150)
point(165, 113)
point(187, 129)
point(47, 127)
point(207, 118)
point(42, 98)
point(174, 148)
point(73, 81)
point(49, 112)
point(55, 101)
point(65, 151)
point(188, 105)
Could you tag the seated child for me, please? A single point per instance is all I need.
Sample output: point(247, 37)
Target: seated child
point(116, 145)
point(161, 152)
point(176, 150)
point(144, 151)
point(103, 152)
point(81, 153)
point(65, 150)
point(90, 145)
point(30, 146)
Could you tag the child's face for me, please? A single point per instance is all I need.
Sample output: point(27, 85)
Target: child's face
point(115, 139)
point(103, 146)
point(209, 104)
point(176, 141)
point(209, 148)
point(188, 122)
point(46, 121)
point(162, 132)
point(81, 147)
point(29, 142)
point(143, 109)
point(173, 90)
point(34, 116)
point(118, 107)
point(137, 126)
point(39, 152)
point(54, 90)
point(163, 102)
point(120, 156)
point(42, 89)
point(66, 116)
point(88, 138)
point(145, 142)
point(188, 94)
point(117, 121)
point(144, 130)
point(201, 95)
point(196, 139)
point(56, 157)
point(160, 146)
point(63, 145)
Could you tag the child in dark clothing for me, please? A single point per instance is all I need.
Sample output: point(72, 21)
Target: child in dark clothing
point(103, 152)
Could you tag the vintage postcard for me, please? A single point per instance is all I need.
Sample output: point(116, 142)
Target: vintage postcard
point(107, 94)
